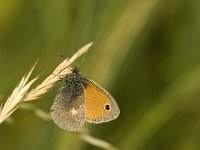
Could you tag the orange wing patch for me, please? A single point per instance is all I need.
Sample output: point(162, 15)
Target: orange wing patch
point(96, 99)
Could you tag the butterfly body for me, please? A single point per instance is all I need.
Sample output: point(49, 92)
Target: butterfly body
point(81, 99)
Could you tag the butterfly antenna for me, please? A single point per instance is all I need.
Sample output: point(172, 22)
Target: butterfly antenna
point(83, 59)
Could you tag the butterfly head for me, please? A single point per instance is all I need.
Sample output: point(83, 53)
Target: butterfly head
point(75, 70)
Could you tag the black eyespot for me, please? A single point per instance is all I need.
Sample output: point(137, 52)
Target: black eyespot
point(107, 107)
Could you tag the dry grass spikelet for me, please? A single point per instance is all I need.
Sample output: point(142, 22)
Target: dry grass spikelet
point(21, 92)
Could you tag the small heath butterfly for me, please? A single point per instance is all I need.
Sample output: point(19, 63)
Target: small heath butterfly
point(81, 99)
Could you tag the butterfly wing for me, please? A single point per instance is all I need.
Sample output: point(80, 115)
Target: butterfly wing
point(100, 105)
point(68, 110)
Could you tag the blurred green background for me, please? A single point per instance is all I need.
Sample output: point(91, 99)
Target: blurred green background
point(146, 53)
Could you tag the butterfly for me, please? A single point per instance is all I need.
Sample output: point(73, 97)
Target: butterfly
point(81, 99)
